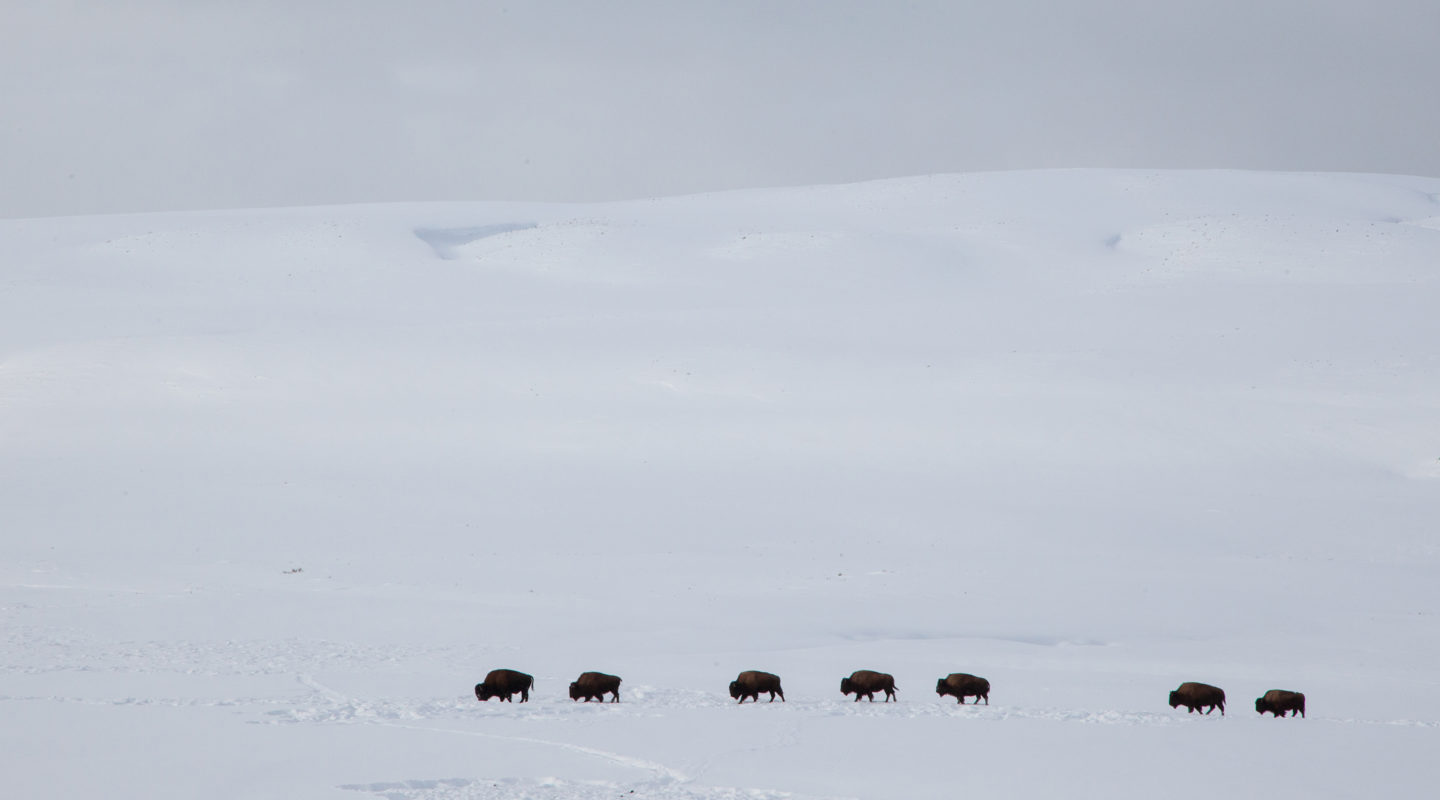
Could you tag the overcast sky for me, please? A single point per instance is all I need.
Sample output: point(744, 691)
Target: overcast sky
point(147, 105)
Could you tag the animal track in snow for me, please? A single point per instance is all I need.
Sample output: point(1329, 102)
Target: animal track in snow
point(548, 788)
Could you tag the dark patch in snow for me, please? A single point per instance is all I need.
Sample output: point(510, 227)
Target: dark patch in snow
point(444, 240)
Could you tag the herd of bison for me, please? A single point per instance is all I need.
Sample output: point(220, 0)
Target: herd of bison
point(1202, 697)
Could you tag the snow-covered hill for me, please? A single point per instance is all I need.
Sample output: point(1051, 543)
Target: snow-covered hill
point(280, 486)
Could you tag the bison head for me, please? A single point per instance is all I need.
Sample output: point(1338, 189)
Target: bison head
point(941, 686)
point(575, 691)
point(1262, 705)
point(481, 693)
point(1175, 700)
point(735, 689)
point(846, 686)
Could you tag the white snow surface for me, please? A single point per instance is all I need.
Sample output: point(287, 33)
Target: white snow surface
point(280, 486)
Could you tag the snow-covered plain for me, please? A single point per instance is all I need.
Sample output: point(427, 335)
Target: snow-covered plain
point(280, 486)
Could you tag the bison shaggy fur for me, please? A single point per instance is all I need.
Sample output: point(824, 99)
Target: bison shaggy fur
point(1280, 701)
point(961, 685)
point(594, 686)
point(865, 683)
point(751, 683)
point(1195, 696)
point(502, 683)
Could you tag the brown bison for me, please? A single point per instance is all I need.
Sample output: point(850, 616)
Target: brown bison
point(960, 686)
point(594, 686)
point(1195, 696)
point(1279, 701)
point(865, 683)
point(502, 683)
point(752, 682)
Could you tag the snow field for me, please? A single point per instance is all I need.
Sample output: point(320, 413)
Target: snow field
point(1088, 434)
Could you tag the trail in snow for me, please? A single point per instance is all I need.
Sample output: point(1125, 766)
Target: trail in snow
point(557, 789)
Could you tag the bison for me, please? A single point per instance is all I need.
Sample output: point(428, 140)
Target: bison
point(960, 686)
point(1280, 701)
point(865, 683)
point(752, 682)
point(502, 683)
point(1195, 696)
point(594, 686)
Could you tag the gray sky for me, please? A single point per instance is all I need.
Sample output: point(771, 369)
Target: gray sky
point(182, 104)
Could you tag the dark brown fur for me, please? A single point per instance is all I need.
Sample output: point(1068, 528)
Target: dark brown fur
point(1280, 701)
point(1195, 696)
point(502, 683)
point(865, 683)
point(961, 685)
point(594, 686)
point(752, 682)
